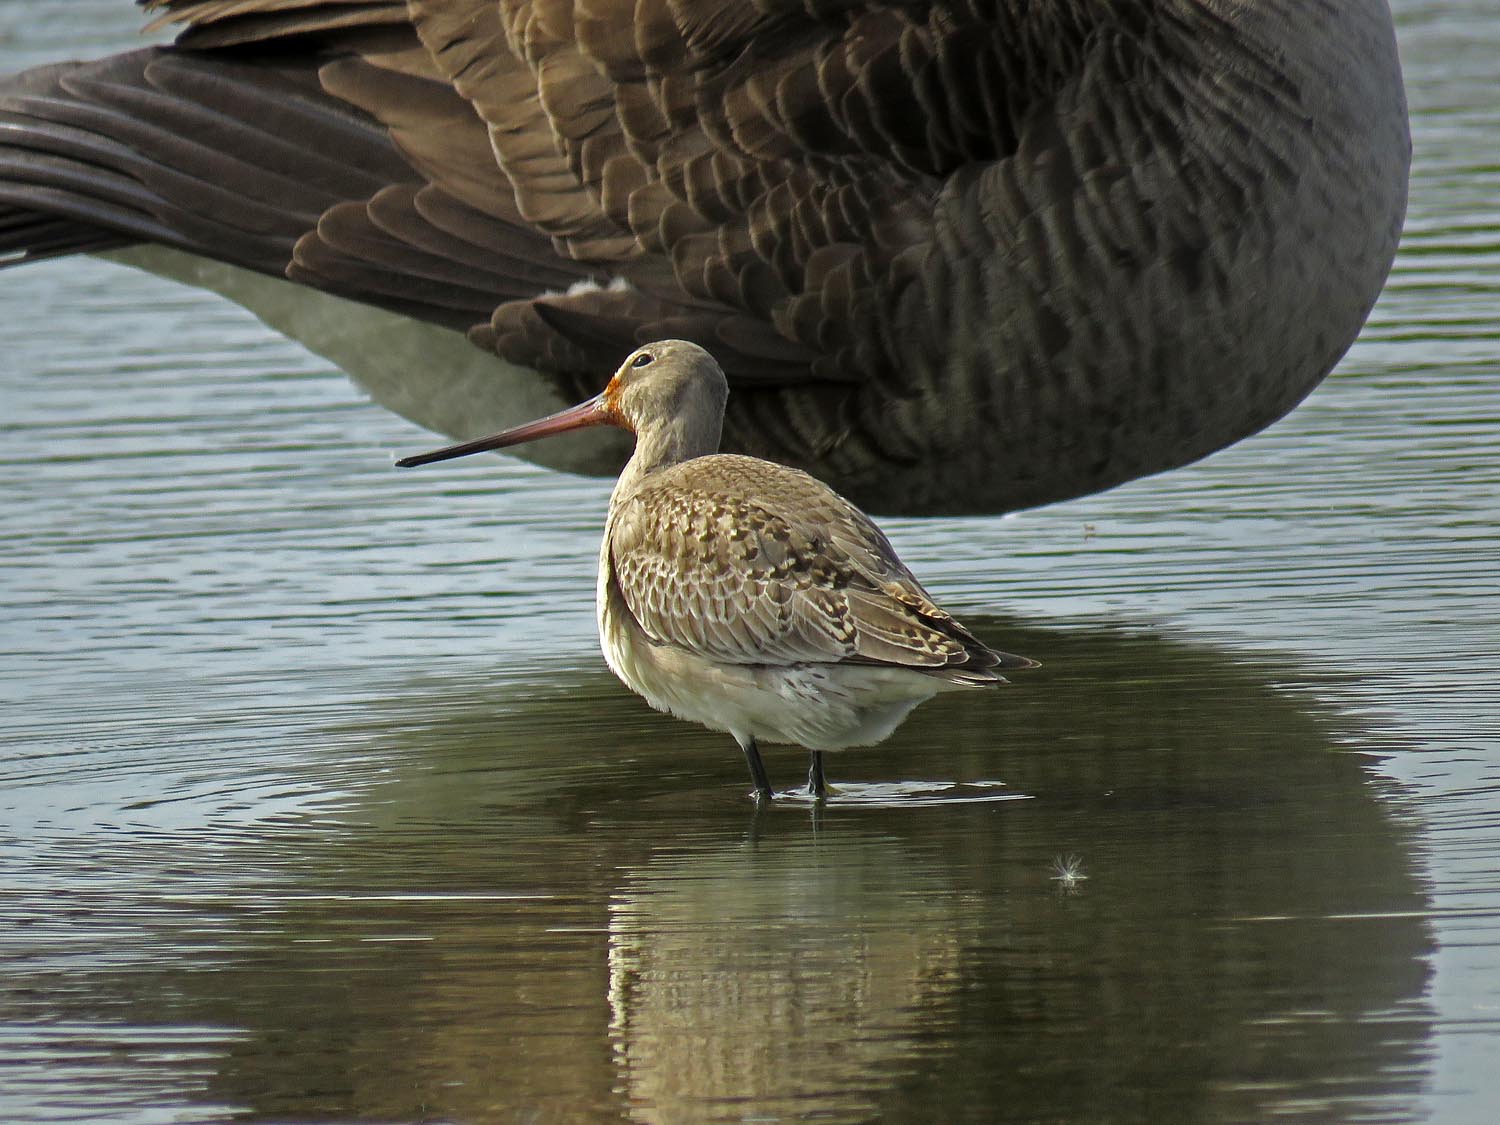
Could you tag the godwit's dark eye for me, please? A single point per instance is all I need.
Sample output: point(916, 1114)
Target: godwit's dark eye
point(643, 359)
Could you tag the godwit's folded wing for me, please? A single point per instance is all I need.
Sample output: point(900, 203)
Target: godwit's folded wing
point(744, 562)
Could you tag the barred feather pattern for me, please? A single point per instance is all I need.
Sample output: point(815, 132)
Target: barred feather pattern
point(744, 562)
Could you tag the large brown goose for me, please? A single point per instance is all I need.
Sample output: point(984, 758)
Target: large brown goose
point(951, 256)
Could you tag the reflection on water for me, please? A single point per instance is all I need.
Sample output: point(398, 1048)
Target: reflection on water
point(771, 971)
point(503, 912)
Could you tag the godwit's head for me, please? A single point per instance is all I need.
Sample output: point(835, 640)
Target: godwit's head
point(669, 384)
point(670, 394)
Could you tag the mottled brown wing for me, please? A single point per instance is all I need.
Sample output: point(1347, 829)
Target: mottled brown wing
point(750, 563)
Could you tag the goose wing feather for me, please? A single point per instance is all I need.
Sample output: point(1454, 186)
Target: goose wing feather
point(894, 224)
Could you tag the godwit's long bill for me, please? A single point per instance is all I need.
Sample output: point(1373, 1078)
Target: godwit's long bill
point(745, 595)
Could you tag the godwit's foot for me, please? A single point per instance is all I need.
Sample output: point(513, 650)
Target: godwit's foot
point(757, 771)
point(817, 784)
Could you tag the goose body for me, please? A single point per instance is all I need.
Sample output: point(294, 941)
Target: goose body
point(951, 257)
point(747, 596)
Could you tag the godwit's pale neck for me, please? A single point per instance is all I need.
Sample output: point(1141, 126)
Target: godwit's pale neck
point(744, 595)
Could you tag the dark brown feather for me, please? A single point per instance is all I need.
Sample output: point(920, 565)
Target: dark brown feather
point(1041, 247)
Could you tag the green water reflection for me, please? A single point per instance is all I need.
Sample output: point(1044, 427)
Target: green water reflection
point(552, 903)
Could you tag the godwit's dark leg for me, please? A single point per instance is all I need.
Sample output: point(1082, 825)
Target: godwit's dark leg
point(757, 770)
point(817, 784)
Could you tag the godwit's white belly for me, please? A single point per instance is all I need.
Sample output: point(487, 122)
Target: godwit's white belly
point(817, 706)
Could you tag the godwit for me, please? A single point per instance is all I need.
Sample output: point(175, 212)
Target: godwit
point(748, 596)
point(952, 256)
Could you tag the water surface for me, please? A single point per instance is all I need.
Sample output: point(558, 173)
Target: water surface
point(317, 802)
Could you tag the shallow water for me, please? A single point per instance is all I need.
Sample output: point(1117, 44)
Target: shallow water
point(317, 802)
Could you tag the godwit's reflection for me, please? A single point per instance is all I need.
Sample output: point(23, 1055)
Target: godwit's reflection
point(778, 972)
